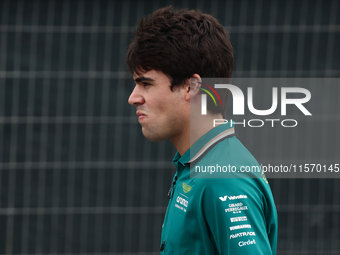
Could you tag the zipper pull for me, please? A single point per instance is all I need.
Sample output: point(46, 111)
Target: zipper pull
point(173, 184)
point(162, 246)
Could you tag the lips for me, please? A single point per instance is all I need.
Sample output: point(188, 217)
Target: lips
point(140, 115)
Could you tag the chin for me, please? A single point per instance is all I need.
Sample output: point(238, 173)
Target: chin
point(153, 137)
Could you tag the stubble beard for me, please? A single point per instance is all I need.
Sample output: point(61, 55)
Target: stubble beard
point(164, 131)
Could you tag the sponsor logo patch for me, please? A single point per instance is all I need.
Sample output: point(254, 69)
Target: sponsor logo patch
point(241, 234)
point(224, 198)
point(236, 209)
point(249, 242)
point(240, 226)
point(237, 219)
point(182, 201)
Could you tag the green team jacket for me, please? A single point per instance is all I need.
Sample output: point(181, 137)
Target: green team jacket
point(219, 213)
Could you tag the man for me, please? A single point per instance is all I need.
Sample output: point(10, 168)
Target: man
point(173, 50)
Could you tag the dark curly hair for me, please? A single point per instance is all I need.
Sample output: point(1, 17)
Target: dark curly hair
point(180, 43)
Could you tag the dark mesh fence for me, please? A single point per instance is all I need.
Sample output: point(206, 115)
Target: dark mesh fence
point(76, 174)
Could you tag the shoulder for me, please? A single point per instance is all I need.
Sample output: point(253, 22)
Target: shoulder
point(233, 150)
point(228, 159)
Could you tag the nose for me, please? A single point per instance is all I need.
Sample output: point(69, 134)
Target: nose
point(136, 97)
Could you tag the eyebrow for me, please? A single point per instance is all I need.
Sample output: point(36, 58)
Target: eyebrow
point(143, 78)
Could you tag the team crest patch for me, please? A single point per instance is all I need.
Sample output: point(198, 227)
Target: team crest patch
point(186, 187)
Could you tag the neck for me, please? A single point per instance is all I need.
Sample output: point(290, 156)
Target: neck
point(195, 129)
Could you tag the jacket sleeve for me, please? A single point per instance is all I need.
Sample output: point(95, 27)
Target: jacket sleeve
point(235, 217)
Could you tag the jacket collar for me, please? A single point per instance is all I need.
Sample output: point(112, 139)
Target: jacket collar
point(203, 144)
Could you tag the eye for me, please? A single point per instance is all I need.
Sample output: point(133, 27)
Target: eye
point(146, 84)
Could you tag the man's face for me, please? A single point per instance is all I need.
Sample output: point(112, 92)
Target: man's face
point(161, 112)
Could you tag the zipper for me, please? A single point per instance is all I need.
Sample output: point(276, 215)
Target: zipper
point(162, 246)
point(169, 212)
point(172, 187)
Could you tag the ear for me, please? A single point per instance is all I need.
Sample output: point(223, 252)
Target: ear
point(192, 86)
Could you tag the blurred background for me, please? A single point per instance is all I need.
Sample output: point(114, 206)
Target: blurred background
point(76, 174)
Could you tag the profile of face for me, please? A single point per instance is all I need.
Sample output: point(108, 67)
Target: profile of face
point(162, 113)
